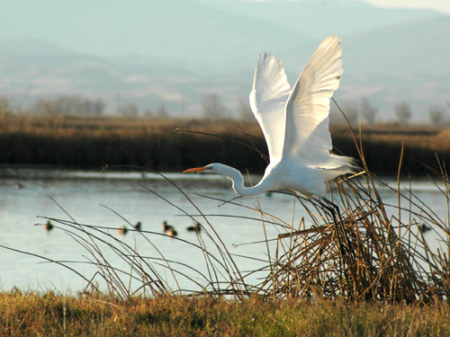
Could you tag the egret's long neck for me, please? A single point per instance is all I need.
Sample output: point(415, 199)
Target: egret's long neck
point(238, 183)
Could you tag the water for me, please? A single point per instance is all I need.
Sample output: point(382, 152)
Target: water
point(111, 200)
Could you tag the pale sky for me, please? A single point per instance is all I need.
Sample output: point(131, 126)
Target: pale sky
point(439, 5)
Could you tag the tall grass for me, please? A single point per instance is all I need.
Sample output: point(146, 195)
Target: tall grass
point(91, 143)
point(388, 260)
point(393, 261)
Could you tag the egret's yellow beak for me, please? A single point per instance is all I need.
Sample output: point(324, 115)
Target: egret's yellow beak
point(197, 169)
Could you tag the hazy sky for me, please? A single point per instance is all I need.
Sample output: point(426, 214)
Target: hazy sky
point(440, 5)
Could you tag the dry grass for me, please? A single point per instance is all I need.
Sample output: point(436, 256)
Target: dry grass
point(392, 261)
point(387, 281)
point(73, 126)
point(31, 314)
point(91, 143)
point(387, 260)
point(80, 142)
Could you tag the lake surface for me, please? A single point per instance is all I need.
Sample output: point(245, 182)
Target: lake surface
point(112, 199)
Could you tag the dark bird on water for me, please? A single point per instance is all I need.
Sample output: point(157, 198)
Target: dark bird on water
point(197, 227)
point(138, 226)
point(48, 226)
point(168, 229)
point(424, 228)
point(166, 226)
point(172, 232)
point(122, 230)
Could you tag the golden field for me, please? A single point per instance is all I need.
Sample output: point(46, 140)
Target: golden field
point(99, 315)
point(91, 143)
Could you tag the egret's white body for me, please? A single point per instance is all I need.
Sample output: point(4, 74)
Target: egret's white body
point(295, 123)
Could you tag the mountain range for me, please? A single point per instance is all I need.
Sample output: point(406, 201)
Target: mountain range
point(173, 53)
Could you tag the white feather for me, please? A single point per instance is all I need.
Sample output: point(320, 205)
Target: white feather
point(295, 124)
point(268, 100)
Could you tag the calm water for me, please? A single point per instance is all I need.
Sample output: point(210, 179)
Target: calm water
point(98, 199)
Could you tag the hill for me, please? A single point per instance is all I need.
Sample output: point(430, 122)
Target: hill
point(172, 53)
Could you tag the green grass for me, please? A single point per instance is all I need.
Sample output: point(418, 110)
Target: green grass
point(32, 314)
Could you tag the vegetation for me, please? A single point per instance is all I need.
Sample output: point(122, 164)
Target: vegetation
point(386, 258)
point(81, 142)
point(403, 112)
point(213, 109)
point(32, 314)
point(384, 280)
point(69, 106)
point(438, 116)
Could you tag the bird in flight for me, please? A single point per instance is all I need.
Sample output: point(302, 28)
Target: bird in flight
point(295, 123)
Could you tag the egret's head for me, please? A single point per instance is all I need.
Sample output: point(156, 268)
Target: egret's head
point(207, 168)
point(213, 168)
point(225, 170)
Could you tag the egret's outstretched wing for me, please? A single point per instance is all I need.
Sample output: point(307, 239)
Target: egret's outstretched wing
point(308, 106)
point(268, 101)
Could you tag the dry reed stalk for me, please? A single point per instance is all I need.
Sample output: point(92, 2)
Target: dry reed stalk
point(386, 267)
point(307, 263)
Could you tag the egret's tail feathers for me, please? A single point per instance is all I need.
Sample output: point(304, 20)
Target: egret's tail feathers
point(338, 166)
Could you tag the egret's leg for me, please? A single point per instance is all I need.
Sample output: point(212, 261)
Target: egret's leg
point(333, 211)
point(328, 208)
point(336, 207)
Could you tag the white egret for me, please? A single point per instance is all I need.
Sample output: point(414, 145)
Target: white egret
point(295, 123)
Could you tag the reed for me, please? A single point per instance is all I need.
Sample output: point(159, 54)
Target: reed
point(91, 143)
point(388, 261)
point(393, 261)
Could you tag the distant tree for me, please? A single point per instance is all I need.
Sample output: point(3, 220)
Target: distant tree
point(20, 110)
point(403, 112)
point(44, 107)
point(245, 112)
point(128, 110)
point(148, 113)
point(64, 105)
point(70, 105)
point(437, 115)
point(162, 112)
point(213, 109)
point(4, 106)
point(368, 113)
point(99, 107)
point(350, 109)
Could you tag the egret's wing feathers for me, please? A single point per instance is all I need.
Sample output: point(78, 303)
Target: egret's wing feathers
point(268, 100)
point(308, 106)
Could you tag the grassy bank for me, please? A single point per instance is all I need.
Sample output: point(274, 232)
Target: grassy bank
point(48, 314)
point(71, 142)
point(379, 278)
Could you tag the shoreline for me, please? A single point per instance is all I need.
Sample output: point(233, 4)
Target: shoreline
point(173, 145)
